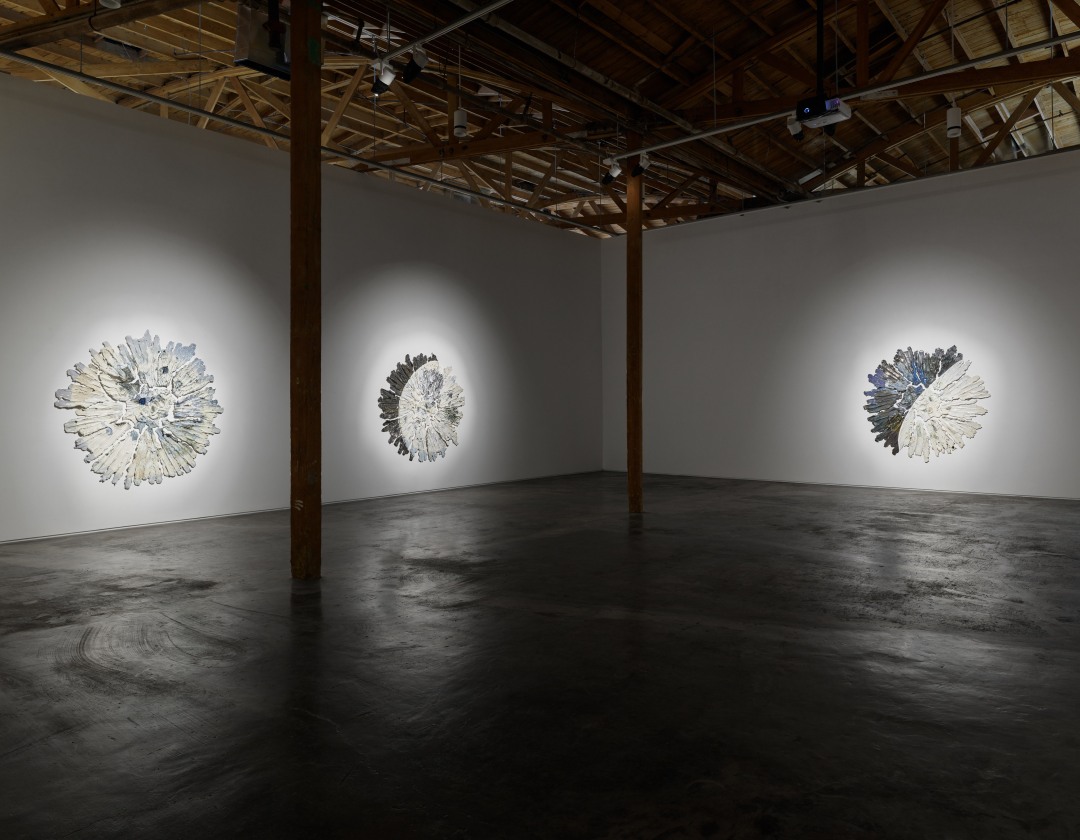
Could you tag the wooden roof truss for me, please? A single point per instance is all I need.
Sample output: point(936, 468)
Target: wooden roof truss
point(552, 88)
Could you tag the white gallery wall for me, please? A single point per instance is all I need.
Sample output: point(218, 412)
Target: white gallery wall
point(511, 307)
point(116, 222)
point(760, 331)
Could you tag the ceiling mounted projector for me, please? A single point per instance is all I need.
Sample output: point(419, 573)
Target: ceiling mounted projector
point(818, 112)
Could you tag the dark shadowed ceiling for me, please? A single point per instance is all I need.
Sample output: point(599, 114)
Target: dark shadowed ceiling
point(551, 89)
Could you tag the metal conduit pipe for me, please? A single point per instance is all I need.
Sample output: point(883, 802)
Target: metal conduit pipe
point(446, 30)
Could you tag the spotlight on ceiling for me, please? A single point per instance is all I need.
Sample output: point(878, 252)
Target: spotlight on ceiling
point(614, 170)
point(416, 65)
point(461, 123)
point(109, 4)
point(953, 121)
point(795, 127)
point(384, 77)
point(642, 164)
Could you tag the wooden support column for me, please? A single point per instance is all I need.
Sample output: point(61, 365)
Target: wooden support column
point(634, 334)
point(305, 311)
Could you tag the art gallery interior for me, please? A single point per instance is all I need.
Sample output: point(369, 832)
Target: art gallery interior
point(802, 633)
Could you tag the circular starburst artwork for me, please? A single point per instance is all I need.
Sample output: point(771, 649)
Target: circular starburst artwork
point(422, 409)
point(925, 402)
point(142, 412)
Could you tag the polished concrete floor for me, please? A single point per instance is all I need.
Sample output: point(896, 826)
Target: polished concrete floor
point(746, 660)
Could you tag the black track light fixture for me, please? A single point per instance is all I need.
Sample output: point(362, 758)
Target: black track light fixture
point(417, 62)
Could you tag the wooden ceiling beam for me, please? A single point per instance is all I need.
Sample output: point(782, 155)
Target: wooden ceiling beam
point(1069, 8)
point(763, 174)
point(572, 197)
point(472, 181)
point(425, 153)
point(343, 102)
point(668, 66)
point(500, 116)
point(492, 124)
point(418, 116)
point(675, 211)
point(1027, 71)
point(1006, 127)
point(470, 167)
point(912, 40)
point(538, 192)
point(75, 21)
point(786, 66)
point(790, 68)
point(253, 112)
point(897, 162)
point(268, 96)
point(675, 193)
point(502, 41)
point(212, 100)
point(673, 71)
point(508, 176)
point(922, 124)
point(751, 14)
point(521, 92)
point(614, 196)
point(999, 19)
point(129, 69)
point(1046, 70)
point(862, 43)
point(631, 24)
point(692, 39)
point(678, 99)
point(76, 85)
point(1063, 90)
point(190, 83)
point(580, 177)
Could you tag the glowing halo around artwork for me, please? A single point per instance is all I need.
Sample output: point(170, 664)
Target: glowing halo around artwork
point(422, 409)
point(142, 413)
point(925, 402)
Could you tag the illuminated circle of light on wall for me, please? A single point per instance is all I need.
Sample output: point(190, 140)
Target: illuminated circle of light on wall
point(143, 412)
point(422, 409)
point(925, 402)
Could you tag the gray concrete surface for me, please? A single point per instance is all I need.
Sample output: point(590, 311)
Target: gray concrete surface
point(522, 661)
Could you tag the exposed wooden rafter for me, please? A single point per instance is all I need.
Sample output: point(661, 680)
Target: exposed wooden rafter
point(549, 95)
point(81, 19)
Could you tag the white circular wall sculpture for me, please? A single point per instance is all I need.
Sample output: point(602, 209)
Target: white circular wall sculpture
point(422, 409)
point(925, 402)
point(142, 412)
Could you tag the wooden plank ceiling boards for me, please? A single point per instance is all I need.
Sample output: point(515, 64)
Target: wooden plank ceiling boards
point(551, 88)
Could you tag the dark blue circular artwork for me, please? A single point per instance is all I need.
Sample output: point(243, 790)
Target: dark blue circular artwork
point(925, 402)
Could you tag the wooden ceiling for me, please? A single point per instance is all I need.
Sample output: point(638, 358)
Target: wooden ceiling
point(552, 88)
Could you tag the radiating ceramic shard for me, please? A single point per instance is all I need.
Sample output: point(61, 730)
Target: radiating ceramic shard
point(925, 402)
point(422, 409)
point(143, 413)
